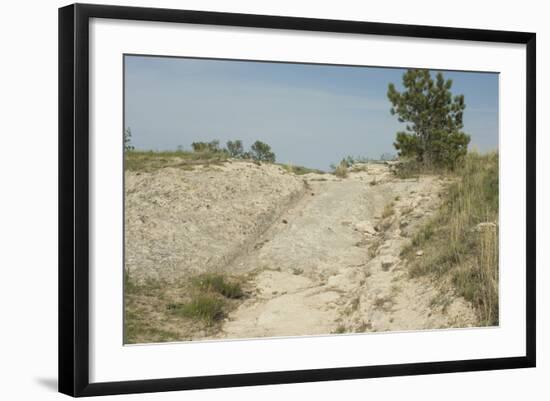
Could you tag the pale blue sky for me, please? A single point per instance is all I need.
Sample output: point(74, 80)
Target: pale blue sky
point(311, 115)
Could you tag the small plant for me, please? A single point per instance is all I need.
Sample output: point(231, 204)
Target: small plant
point(217, 283)
point(203, 307)
point(348, 161)
point(423, 235)
point(341, 170)
point(341, 329)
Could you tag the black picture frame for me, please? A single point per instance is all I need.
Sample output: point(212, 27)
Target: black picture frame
point(74, 201)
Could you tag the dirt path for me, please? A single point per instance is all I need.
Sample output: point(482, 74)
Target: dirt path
point(331, 264)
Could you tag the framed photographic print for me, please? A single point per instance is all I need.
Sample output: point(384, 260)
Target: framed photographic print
point(251, 199)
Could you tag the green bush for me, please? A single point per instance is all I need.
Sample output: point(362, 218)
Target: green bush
point(261, 152)
point(210, 147)
point(235, 148)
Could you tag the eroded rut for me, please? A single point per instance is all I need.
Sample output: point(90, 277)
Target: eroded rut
point(331, 263)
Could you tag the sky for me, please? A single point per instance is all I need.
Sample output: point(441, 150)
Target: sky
point(311, 115)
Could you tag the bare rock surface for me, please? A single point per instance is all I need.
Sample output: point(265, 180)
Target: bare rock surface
point(180, 222)
point(340, 287)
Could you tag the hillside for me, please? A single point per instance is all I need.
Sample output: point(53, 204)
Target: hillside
point(240, 250)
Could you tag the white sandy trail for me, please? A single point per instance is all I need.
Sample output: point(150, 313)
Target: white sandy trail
point(315, 275)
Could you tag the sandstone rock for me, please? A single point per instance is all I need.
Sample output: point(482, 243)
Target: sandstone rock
point(387, 262)
point(365, 227)
point(420, 253)
point(485, 226)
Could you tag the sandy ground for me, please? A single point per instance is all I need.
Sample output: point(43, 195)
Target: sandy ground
point(182, 222)
point(322, 256)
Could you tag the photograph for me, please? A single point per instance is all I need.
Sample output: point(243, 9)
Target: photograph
point(277, 199)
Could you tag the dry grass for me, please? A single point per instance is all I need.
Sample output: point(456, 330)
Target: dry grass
point(299, 170)
point(455, 247)
point(341, 170)
point(219, 284)
point(151, 161)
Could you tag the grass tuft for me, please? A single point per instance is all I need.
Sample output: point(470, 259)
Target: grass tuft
point(341, 170)
point(217, 283)
point(341, 329)
point(205, 307)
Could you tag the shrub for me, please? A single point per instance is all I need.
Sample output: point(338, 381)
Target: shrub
point(212, 146)
point(235, 148)
point(261, 152)
point(341, 170)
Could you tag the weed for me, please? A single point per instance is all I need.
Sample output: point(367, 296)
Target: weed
point(205, 307)
point(340, 329)
point(219, 284)
point(341, 170)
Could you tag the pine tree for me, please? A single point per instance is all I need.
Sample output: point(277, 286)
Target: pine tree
point(433, 120)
